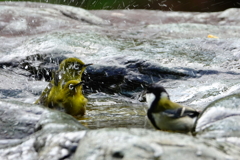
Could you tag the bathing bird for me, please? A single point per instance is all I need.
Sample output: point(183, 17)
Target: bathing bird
point(167, 115)
point(69, 69)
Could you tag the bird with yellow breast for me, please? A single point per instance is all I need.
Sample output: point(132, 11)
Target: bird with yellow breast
point(64, 92)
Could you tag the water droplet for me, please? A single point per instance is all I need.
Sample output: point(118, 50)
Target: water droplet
point(199, 152)
point(106, 74)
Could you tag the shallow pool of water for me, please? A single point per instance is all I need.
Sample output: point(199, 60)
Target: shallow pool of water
point(114, 111)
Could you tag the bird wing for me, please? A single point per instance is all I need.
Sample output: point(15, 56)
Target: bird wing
point(181, 112)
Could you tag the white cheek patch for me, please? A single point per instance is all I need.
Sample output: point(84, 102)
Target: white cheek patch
point(164, 95)
point(150, 97)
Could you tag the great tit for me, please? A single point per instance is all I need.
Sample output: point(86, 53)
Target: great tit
point(69, 99)
point(167, 115)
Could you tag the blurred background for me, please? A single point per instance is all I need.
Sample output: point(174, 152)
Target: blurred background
point(167, 5)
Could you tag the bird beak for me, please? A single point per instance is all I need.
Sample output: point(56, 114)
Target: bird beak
point(81, 83)
point(85, 65)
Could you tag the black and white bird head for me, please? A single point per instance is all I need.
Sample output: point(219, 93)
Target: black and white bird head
point(154, 93)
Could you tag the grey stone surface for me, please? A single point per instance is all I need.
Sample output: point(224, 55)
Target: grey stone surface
point(119, 143)
point(130, 49)
point(145, 144)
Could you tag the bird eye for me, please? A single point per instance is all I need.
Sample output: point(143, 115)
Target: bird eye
point(71, 86)
point(77, 67)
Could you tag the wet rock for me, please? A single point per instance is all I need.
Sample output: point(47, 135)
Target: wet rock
point(44, 146)
point(130, 49)
point(170, 48)
point(220, 119)
point(126, 76)
point(17, 22)
point(145, 144)
point(19, 120)
point(118, 143)
point(57, 146)
point(104, 78)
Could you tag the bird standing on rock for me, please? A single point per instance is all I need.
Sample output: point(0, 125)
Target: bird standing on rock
point(58, 92)
point(167, 115)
